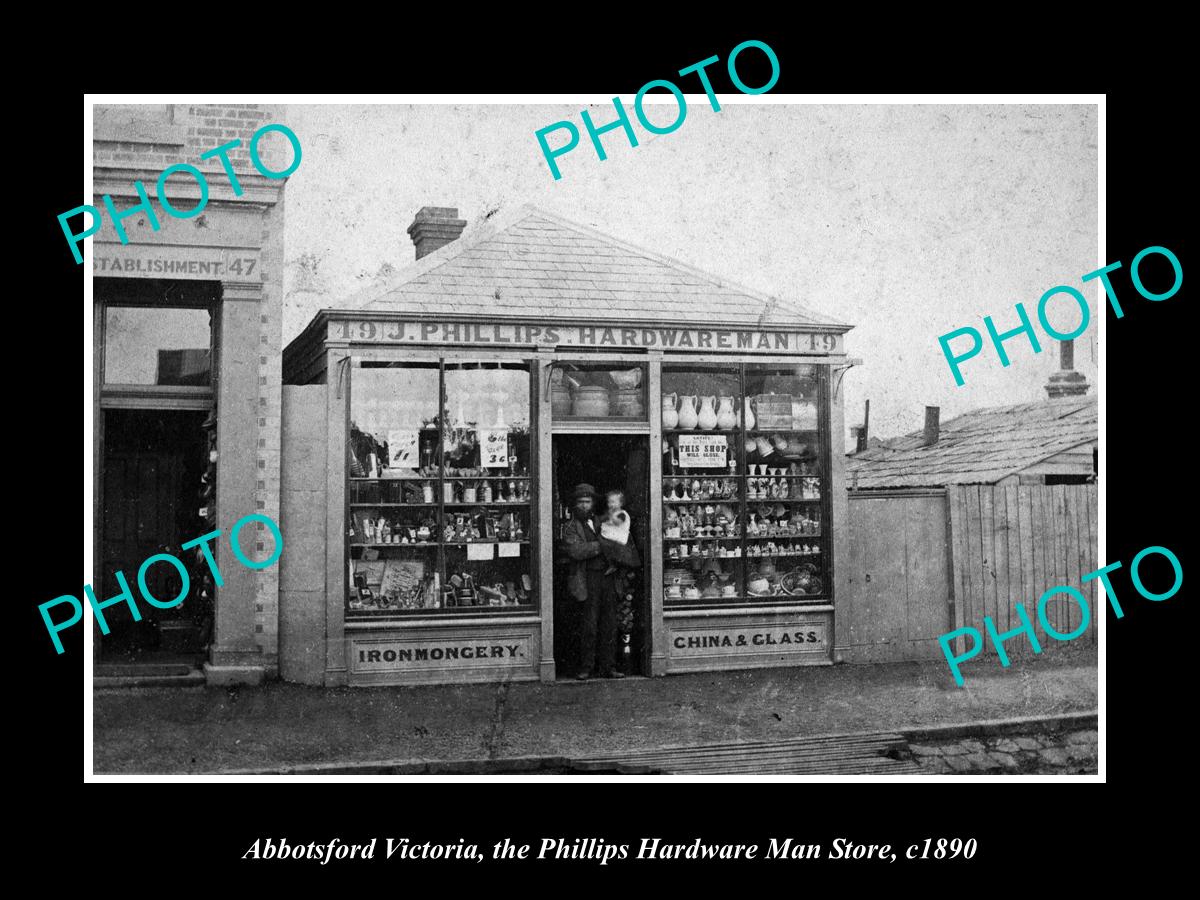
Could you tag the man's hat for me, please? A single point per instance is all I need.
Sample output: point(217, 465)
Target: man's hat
point(583, 490)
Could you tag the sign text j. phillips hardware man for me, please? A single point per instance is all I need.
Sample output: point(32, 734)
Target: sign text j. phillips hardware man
point(659, 338)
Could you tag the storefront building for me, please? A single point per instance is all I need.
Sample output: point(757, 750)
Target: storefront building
point(186, 400)
point(433, 429)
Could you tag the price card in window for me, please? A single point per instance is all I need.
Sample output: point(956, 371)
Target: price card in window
point(493, 448)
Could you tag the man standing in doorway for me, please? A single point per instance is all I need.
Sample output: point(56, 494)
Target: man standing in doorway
point(591, 588)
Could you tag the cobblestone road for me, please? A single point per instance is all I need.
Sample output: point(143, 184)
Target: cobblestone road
point(1063, 753)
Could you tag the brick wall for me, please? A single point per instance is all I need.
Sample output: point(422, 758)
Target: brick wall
point(190, 131)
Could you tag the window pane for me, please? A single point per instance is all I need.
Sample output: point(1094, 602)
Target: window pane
point(394, 525)
point(703, 483)
point(590, 391)
point(786, 488)
point(487, 490)
point(440, 505)
point(156, 345)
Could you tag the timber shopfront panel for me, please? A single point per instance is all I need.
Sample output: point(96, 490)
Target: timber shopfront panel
point(448, 445)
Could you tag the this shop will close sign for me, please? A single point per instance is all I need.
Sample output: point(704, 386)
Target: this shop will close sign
point(703, 451)
point(658, 338)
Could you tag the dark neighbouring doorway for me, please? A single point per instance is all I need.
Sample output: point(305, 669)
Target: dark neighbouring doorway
point(153, 465)
point(604, 461)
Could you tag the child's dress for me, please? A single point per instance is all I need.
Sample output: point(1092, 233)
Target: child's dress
point(616, 527)
point(618, 549)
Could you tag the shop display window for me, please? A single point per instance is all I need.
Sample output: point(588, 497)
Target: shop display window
point(744, 493)
point(583, 392)
point(440, 494)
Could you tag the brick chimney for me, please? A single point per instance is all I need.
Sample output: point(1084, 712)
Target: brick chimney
point(932, 426)
point(434, 227)
point(1066, 382)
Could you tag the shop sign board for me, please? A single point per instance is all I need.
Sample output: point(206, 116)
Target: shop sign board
point(502, 334)
point(722, 640)
point(409, 654)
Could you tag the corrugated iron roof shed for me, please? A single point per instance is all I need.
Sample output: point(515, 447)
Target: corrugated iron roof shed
point(531, 263)
point(978, 447)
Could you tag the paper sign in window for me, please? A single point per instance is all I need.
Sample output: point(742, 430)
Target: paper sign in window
point(507, 548)
point(493, 448)
point(480, 552)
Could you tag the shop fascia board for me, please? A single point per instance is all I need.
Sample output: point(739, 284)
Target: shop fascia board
point(313, 341)
point(256, 189)
point(382, 314)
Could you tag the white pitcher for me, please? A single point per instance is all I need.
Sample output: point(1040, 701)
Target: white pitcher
point(707, 417)
point(726, 419)
point(749, 416)
point(687, 412)
point(670, 415)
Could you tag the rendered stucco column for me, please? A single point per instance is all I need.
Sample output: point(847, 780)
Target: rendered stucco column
point(658, 631)
point(839, 508)
point(337, 400)
point(547, 517)
point(235, 656)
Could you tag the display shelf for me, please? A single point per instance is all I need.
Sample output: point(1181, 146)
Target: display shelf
point(763, 432)
point(481, 541)
point(359, 503)
point(482, 478)
point(768, 475)
point(703, 500)
point(435, 478)
point(481, 504)
point(399, 544)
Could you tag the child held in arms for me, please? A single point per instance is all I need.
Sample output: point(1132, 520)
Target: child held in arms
point(614, 534)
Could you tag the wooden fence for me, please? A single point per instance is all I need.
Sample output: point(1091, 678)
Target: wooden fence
point(1012, 543)
point(924, 562)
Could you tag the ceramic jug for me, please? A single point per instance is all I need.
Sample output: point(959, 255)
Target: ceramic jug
point(670, 415)
point(707, 417)
point(749, 416)
point(726, 419)
point(687, 412)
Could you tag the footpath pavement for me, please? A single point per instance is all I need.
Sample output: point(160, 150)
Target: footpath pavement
point(1054, 753)
point(284, 726)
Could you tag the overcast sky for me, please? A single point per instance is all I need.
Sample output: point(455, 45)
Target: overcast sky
point(906, 221)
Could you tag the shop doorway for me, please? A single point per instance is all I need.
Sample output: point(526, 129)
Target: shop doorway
point(605, 461)
point(153, 467)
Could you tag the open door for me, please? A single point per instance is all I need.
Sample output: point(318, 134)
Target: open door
point(605, 461)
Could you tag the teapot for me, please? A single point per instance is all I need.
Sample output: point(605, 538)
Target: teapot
point(726, 419)
point(670, 415)
point(687, 412)
point(707, 417)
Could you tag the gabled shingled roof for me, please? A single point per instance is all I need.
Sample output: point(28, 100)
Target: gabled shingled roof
point(978, 447)
point(533, 264)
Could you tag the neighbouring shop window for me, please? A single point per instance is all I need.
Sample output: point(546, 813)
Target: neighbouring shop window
point(744, 493)
point(582, 392)
point(441, 497)
point(161, 346)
